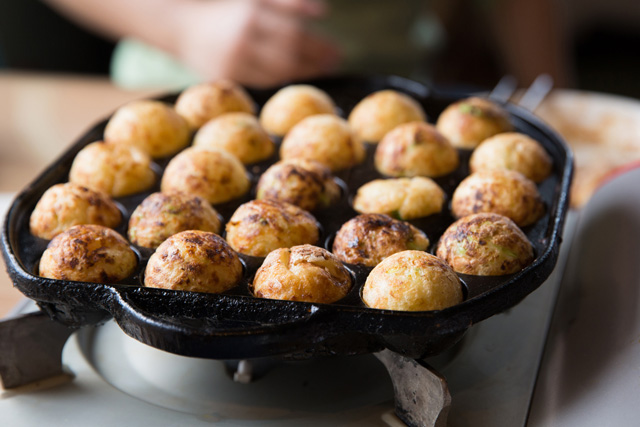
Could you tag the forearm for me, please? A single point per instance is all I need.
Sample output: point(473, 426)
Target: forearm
point(153, 21)
point(256, 42)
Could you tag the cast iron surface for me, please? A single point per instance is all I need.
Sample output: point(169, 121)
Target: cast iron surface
point(237, 325)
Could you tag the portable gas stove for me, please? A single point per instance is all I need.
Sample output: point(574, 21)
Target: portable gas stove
point(489, 374)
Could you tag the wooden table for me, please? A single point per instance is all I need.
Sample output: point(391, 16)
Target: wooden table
point(40, 116)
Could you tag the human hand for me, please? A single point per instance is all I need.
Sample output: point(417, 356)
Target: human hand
point(254, 42)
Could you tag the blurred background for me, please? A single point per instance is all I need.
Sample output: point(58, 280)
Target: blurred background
point(66, 64)
point(598, 40)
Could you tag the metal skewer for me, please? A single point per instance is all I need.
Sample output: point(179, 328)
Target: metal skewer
point(504, 89)
point(533, 96)
point(536, 93)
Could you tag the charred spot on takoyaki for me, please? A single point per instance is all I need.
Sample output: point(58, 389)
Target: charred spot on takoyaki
point(325, 138)
point(261, 226)
point(369, 238)
point(162, 215)
point(65, 205)
point(504, 192)
point(485, 244)
point(194, 260)
point(88, 253)
point(468, 122)
point(214, 175)
point(304, 183)
point(302, 273)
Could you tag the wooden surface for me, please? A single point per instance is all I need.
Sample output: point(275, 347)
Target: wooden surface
point(40, 116)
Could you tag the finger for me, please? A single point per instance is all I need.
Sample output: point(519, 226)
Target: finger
point(318, 50)
point(275, 31)
point(308, 8)
point(292, 63)
point(267, 66)
point(273, 23)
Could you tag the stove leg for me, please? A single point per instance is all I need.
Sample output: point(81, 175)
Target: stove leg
point(421, 394)
point(31, 349)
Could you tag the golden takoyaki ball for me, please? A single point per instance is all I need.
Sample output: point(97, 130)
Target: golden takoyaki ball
point(504, 192)
point(115, 169)
point(470, 121)
point(194, 260)
point(214, 175)
point(415, 149)
point(65, 205)
point(512, 151)
point(261, 226)
point(401, 198)
point(369, 238)
point(412, 281)
point(291, 104)
point(304, 183)
point(325, 138)
point(162, 215)
point(302, 273)
point(238, 133)
point(485, 244)
point(379, 112)
point(202, 102)
point(88, 253)
point(152, 126)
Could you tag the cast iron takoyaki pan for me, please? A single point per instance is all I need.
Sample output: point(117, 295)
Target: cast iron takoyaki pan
point(236, 324)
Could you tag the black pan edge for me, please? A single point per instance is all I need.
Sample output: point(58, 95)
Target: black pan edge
point(230, 326)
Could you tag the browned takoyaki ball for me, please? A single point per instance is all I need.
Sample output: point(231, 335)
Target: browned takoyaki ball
point(381, 111)
point(302, 273)
point(291, 104)
point(485, 244)
point(369, 238)
point(261, 226)
point(237, 133)
point(214, 175)
point(401, 198)
point(152, 126)
point(304, 183)
point(325, 138)
point(202, 102)
point(415, 149)
point(65, 205)
point(412, 281)
point(88, 253)
point(115, 169)
point(504, 192)
point(162, 215)
point(468, 122)
point(512, 151)
point(194, 260)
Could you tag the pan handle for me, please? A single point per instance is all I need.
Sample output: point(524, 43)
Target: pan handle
point(209, 325)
